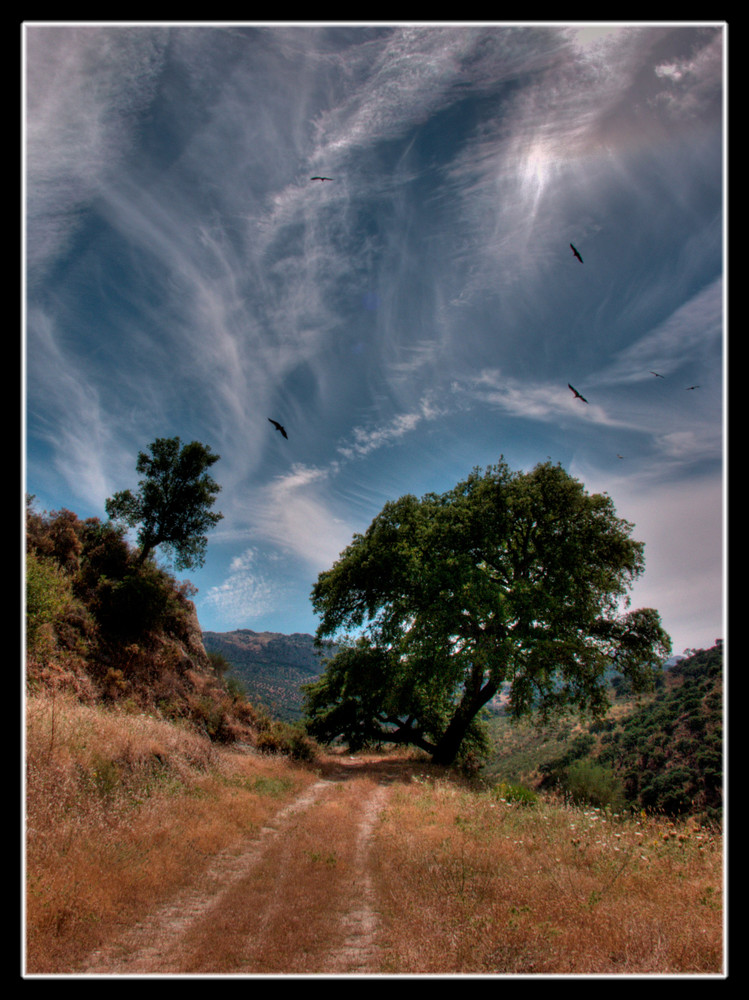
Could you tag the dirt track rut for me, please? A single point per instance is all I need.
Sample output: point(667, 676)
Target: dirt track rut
point(297, 898)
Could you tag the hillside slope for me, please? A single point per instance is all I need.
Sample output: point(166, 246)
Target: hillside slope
point(271, 666)
point(662, 752)
point(112, 629)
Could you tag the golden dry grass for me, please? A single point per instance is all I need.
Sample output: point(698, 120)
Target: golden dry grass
point(287, 915)
point(127, 813)
point(474, 885)
point(121, 811)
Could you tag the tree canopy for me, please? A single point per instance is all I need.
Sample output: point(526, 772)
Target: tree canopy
point(510, 578)
point(173, 503)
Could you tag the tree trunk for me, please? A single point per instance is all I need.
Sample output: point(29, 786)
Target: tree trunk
point(450, 742)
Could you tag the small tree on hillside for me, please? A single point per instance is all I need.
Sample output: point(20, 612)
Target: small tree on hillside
point(508, 577)
point(173, 501)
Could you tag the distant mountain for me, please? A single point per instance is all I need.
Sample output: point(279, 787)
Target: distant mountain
point(271, 666)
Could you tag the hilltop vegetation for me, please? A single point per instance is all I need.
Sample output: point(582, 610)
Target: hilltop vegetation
point(271, 666)
point(115, 629)
point(662, 753)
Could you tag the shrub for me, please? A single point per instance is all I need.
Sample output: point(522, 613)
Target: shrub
point(49, 597)
point(142, 602)
point(219, 664)
point(515, 793)
point(277, 737)
point(595, 784)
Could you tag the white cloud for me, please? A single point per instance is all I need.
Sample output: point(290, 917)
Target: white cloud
point(684, 337)
point(78, 129)
point(296, 514)
point(695, 82)
point(245, 594)
point(547, 402)
point(681, 524)
point(369, 439)
point(85, 445)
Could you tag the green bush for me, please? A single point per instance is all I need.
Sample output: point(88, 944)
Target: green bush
point(143, 601)
point(515, 793)
point(219, 664)
point(276, 737)
point(594, 784)
point(49, 597)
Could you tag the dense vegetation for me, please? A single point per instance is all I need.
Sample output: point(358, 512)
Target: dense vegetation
point(114, 628)
point(664, 755)
point(117, 630)
point(514, 579)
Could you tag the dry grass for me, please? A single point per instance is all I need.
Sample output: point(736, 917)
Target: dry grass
point(126, 813)
point(287, 915)
point(471, 884)
point(122, 810)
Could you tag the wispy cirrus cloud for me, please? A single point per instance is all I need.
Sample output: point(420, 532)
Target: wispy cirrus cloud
point(364, 440)
point(686, 338)
point(85, 448)
point(415, 315)
point(76, 133)
point(296, 513)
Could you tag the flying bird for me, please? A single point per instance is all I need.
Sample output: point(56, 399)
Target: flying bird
point(577, 394)
point(656, 374)
point(575, 252)
point(279, 427)
point(321, 178)
point(692, 387)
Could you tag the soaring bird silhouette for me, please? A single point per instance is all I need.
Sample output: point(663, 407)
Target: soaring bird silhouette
point(575, 252)
point(577, 394)
point(279, 427)
point(656, 374)
point(692, 387)
point(321, 178)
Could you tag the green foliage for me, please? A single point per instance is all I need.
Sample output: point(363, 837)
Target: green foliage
point(278, 737)
point(517, 794)
point(665, 756)
point(509, 577)
point(670, 753)
point(142, 602)
point(49, 597)
point(586, 781)
point(554, 771)
point(219, 664)
point(172, 505)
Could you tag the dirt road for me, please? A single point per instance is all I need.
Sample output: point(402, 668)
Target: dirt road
point(296, 899)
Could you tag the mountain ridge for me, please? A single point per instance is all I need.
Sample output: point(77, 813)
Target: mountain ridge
point(271, 666)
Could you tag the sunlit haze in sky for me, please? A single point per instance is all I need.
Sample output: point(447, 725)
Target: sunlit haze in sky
point(417, 316)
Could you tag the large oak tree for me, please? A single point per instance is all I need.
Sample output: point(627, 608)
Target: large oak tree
point(511, 578)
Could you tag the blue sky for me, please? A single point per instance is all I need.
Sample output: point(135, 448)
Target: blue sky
point(417, 316)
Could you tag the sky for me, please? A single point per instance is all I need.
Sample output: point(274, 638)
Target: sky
point(416, 317)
